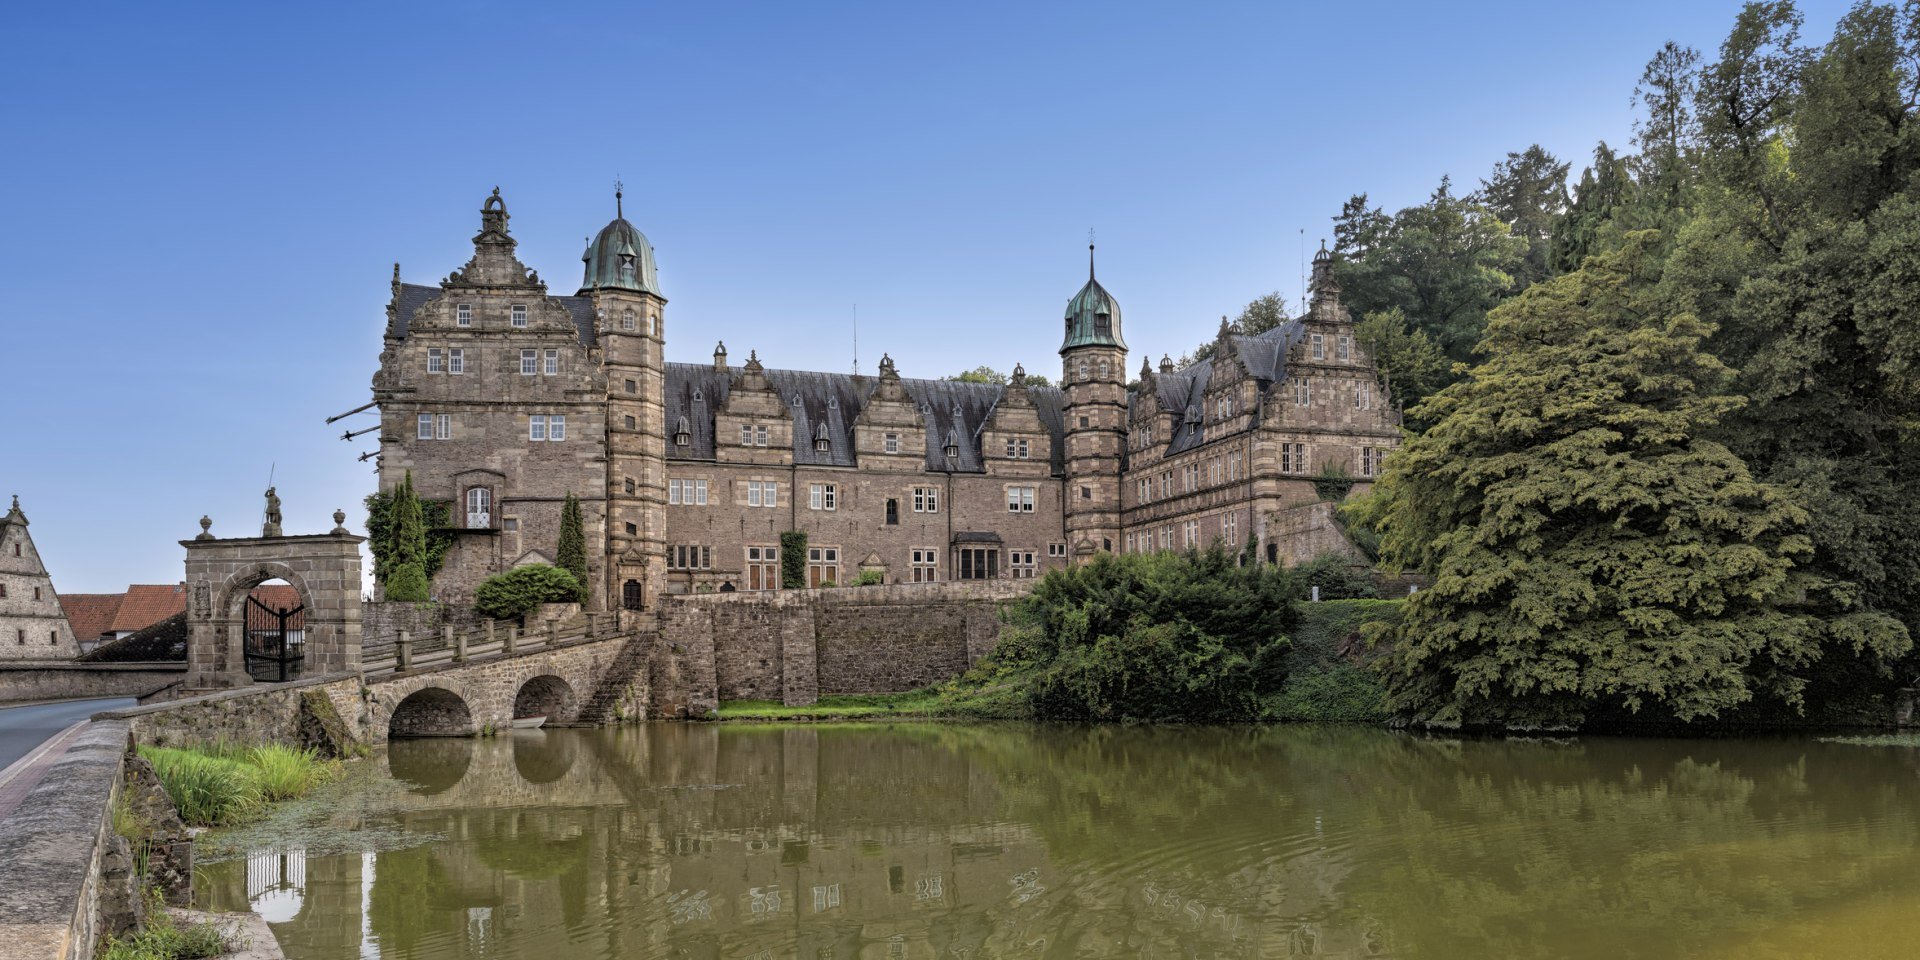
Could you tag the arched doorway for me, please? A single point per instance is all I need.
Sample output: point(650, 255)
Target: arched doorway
point(546, 696)
point(274, 632)
point(430, 712)
point(631, 597)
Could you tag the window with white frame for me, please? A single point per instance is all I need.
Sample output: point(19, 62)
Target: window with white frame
point(926, 499)
point(1024, 564)
point(754, 435)
point(1193, 533)
point(435, 426)
point(1056, 550)
point(1293, 458)
point(1343, 348)
point(1213, 471)
point(1319, 347)
point(1363, 397)
point(1369, 461)
point(463, 315)
point(1130, 543)
point(1166, 537)
point(925, 565)
point(687, 556)
point(456, 360)
point(1144, 489)
point(1233, 465)
point(553, 362)
point(763, 493)
point(763, 568)
point(519, 313)
point(1166, 485)
point(1303, 392)
point(1230, 527)
point(436, 360)
point(1191, 474)
point(537, 427)
point(1223, 407)
point(626, 320)
point(557, 427)
point(1018, 449)
point(529, 362)
point(823, 566)
point(426, 427)
point(820, 496)
point(650, 327)
point(1020, 499)
point(687, 492)
point(890, 442)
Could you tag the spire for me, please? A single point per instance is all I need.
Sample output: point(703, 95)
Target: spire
point(618, 188)
point(1089, 263)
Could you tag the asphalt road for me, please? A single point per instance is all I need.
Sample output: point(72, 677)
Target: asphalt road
point(23, 728)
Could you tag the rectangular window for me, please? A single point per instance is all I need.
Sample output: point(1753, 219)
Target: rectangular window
point(691, 493)
point(1193, 533)
point(1363, 397)
point(823, 566)
point(1293, 458)
point(977, 563)
point(1192, 472)
point(1166, 485)
point(926, 499)
point(1319, 347)
point(760, 436)
point(1231, 524)
point(519, 313)
point(673, 491)
point(463, 314)
point(1056, 549)
point(763, 493)
point(426, 427)
point(1129, 543)
point(557, 427)
point(1303, 392)
point(537, 427)
point(1369, 461)
point(1166, 537)
point(763, 568)
point(456, 360)
point(1025, 564)
point(1019, 449)
point(890, 442)
point(1145, 489)
point(1342, 348)
point(436, 363)
point(699, 493)
point(632, 387)
point(925, 565)
point(1020, 499)
point(443, 426)
point(820, 496)
point(688, 556)
point(529, 362)
point(553, 362)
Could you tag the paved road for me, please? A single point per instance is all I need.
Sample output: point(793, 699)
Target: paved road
point(23, 728)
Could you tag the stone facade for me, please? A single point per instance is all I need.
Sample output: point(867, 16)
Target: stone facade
point(27, 681)
point(220, 575)
point(688, 473)
point(32, 625)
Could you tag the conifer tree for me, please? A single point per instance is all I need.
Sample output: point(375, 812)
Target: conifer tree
point(571, 553)
point(1592, 550)
point(408, 547)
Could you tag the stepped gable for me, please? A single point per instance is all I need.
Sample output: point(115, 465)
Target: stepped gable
point(412, 296)
point(1184, 391)
point(831, 402)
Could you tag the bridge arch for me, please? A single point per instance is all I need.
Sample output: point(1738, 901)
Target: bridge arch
point(547, 695)
point(431, 712)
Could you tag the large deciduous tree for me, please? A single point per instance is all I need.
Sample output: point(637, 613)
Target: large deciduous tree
point(1592, 549)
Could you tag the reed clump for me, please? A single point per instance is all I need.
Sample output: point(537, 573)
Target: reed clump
point(221, 785)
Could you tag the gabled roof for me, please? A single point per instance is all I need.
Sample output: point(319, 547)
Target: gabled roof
point(413, 296)
point(1184, 392)
point(91, 614)
point(952, 409)
point(163, 641)
point(145, 604)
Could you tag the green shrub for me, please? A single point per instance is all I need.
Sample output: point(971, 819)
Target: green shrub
point(163, 939)
point(1340, 694)
point(408, 583)
point(510, 595)
point(870, 578)
point(793, 560)
point(570, 553)
point(1338, 578)
point(1157, 637)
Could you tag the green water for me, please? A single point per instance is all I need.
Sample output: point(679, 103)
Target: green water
point(761, 842)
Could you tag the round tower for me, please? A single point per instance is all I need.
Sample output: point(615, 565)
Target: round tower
point(624, 284)
point(1093, 376)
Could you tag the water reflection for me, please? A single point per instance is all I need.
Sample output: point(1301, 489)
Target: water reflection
point(692, 840)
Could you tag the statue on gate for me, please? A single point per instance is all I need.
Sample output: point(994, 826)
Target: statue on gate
point(272, 527)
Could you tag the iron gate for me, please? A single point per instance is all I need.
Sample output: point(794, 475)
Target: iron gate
point(273, 651)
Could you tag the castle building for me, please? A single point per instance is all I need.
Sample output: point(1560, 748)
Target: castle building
point(32, 624)
point(501, 398)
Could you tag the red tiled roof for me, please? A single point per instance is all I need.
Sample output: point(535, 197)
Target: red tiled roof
point(91, 614)
point(282, 596)
point(149, 603)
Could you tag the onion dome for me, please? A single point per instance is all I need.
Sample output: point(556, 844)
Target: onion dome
point(1093, 316)
point(620, 258)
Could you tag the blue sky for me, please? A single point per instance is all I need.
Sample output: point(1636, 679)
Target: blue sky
point(204, 201)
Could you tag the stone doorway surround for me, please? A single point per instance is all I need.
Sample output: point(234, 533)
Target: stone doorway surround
point(323, 568)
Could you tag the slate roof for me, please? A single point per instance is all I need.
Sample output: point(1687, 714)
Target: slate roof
point(166, 640)
point(90, 614)
point(413, 296)
point(832, 401)
point(1184, 391)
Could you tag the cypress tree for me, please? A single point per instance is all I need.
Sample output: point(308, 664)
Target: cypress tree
point(571, 553)
point(408, 547)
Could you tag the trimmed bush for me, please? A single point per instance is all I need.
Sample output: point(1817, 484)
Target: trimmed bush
point(793, 560)
point(512, 594)
point(408, 583)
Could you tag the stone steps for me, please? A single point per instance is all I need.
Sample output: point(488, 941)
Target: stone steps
point(625, 668)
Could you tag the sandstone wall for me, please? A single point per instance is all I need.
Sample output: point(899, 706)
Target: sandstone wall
point(251, 716)
point(63, 860)
point(62, 680)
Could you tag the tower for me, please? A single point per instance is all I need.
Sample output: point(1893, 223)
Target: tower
point(622, 280)
point(1093, 374)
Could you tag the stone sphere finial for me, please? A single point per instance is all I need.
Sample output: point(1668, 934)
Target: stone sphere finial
point(340, 523)
point(206, 528)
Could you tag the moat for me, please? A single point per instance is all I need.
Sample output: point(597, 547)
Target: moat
point(926, 840)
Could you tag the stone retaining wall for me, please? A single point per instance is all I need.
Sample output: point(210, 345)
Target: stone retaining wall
point(249, 716)
point(62, 859)
point(66, 680)
point(797, 645)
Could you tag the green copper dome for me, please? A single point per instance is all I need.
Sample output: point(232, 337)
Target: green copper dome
point(1093, 316)
point(620, 258)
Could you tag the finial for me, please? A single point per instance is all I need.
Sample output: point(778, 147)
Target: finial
point(618, 189)
point(1089, 253)
point(206, 528)
point(340, 524)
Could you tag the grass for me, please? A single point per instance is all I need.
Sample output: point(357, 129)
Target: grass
point(164, 939)
point(222, 784)
point(914, 703)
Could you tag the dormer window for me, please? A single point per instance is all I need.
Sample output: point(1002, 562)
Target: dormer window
point(682, 438)
point(626, 320)
point(463, 315)
point(1102, 325)
point(890, 442)
point(519, 314)
point(821, 444)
